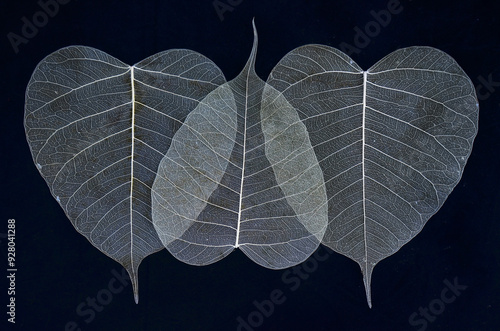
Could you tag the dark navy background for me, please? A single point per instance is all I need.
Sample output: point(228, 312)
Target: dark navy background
point(58, 269)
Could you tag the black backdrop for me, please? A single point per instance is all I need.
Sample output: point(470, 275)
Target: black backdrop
point(59, 271)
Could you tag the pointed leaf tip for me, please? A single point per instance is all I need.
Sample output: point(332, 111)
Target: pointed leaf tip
point(255, 37)
point(367, 270)
point(368, 294)
point(135, 283)
point(250, 65)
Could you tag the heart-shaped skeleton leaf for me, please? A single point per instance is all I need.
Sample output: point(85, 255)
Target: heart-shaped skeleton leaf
point(392, 141)
point(167, 153)
point(98, 128)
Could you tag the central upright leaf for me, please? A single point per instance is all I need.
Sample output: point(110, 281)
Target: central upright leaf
point(241, 172)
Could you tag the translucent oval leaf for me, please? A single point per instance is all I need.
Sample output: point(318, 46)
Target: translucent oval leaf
point(241, 173)
point(392, 141)
point(98, 128)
